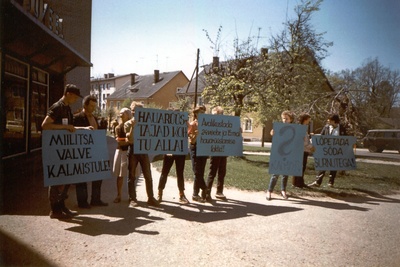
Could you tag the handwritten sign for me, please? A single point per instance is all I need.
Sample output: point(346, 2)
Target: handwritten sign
point(160, 132)
point(287, 149)
point(219, 135)
point(77, 157)
point(334, 153)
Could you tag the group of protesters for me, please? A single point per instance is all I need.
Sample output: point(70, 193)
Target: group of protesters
point(128, 163)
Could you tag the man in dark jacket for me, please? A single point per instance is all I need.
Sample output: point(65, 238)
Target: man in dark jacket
point(86, 118)
point(59, 117)
point(332, 128)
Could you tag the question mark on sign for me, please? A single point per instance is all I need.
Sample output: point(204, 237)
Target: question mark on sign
point(283, 145)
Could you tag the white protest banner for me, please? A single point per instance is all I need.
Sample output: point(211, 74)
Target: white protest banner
point(219, 135)
point(334, 153)
point(287, 149)
point(77, 157)
point(160, 132)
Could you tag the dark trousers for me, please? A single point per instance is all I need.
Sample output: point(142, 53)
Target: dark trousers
point(198, 165)
point(298, 181)
point(134, 160)
point(57, 195)
point(168, 161)
point(82, 192)
point(217, 165)
point(321, 174)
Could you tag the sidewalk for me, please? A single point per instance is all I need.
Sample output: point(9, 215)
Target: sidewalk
point(246, 230)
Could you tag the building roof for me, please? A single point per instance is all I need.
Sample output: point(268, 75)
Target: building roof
point(190, 87)
point(143, 87)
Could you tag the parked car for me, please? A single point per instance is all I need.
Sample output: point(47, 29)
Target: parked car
point(382, 139)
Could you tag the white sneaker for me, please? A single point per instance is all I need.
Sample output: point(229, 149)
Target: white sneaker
point(220, 196)
point(133, 203)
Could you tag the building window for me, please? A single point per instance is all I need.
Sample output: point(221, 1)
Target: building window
point(200, 101)
point(39, 89)
point(248, 125)
point(118, 105)
point(15, 90)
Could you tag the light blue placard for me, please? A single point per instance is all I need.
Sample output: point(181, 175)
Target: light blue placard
point(70, 158)
point(219, 135)
point(160, 132)
point(287, 149)
point(334, 153)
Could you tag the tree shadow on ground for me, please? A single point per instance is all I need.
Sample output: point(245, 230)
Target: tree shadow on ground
point(222, 210)
point(119, 220)
point(320, 197)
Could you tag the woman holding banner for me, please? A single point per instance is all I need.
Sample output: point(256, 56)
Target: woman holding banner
point(198, 162)
point(287, 117)
point(120, 166)
point(298, 181)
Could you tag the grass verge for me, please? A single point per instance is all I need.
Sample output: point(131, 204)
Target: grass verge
point(251, 173)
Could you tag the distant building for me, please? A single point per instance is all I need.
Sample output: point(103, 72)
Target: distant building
point(251, 132)
point(104, 87)
point(159, 89)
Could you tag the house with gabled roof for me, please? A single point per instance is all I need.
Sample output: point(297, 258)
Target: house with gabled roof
point(251, 132)
point(158, 89)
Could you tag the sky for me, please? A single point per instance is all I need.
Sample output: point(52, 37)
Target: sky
point(139, 36)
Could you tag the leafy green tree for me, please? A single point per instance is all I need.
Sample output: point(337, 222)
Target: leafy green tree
point(286, 75)
point(366, 94)
point(291, 76)
point(230, 84)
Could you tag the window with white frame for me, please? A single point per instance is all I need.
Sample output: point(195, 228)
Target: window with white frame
point(248, 125)
point(200, 101)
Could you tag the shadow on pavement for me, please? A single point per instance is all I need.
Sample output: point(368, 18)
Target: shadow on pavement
point(118, 222)
point(10, 246)
point(224, 210)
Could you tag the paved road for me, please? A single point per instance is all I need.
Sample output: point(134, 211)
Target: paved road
point(246, 230)
point(360, 152)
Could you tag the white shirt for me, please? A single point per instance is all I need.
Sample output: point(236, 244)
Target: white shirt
point(334, 131)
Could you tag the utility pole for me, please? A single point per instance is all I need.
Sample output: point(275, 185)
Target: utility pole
point(197, 78)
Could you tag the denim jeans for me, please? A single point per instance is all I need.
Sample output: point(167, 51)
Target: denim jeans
point(274, 179)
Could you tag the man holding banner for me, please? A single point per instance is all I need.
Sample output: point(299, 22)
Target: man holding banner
point(198, 162)
point(83, 119)
point(333, 128)
point(217, 164)
point(59, 117)
point(134, 160)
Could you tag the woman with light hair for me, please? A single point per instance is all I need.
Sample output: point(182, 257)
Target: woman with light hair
point(120, 166)
point(287, 117)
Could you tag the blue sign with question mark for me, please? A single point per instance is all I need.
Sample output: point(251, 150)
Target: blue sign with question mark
point(287, 149)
